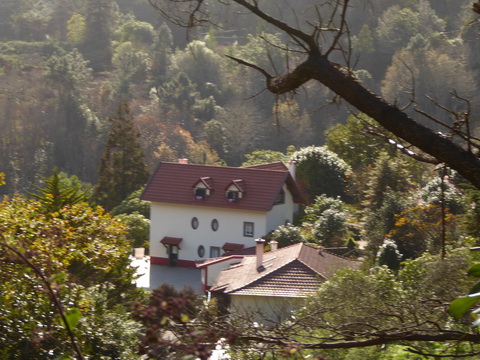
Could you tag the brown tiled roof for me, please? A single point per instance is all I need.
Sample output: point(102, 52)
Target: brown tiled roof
point(167, 240)
point(172, 183)
point(293, 271)
point(232, 246)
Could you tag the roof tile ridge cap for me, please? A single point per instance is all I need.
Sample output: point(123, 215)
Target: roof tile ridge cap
point(290, 246)
point(266, 164)
point(201, 165)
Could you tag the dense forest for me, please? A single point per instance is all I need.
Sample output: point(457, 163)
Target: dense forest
point(65, 66)
point(94, 93)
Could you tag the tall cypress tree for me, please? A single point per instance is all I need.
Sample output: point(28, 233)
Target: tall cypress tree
point(122, 167)
point(97, 47)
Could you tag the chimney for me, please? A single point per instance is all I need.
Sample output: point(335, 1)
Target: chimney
point(183, 161)
point(259, 252)
point(273, 245)
point(292, 168)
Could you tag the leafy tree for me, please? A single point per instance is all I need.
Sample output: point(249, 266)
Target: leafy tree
point(352, 142)
point(471, 219)
point(244, 131)
point(131, 204)
point(389, 255)
point(83, 254)
point(443, 193)
point(122, 168)
point(170, 311)
point(424, 64)
point(200, 64)
point(216, 137)
point(379, 222)
point(389, 174)
point(77, 28)
point(132, 66)
point(398, 25)
point(287, 235)
point(327, 220)
point(75, 128)
point(138, 228)
point(380, 291)
point(290, 126)
point(419, 229)
point(180, 92)
point(264, 156)
point(321, 171)
point(137, 32)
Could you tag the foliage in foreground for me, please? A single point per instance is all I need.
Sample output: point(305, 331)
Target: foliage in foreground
point(82, 255)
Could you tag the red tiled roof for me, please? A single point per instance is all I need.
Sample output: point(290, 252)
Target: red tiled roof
point(172, 183)
point(293, 271)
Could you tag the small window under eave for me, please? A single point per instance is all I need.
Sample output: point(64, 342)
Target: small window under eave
point(235, 191)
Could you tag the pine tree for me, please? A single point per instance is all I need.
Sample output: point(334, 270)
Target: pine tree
point(122, 167)
point(60, 190)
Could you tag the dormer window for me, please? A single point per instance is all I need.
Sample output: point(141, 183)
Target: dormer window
point(202, 188)
point(235, 191)
point(200, 193)
point(232, 196)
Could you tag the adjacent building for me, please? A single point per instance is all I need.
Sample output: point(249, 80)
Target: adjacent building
point(268, 286)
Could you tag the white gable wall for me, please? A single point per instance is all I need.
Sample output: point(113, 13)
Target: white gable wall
point(281, 213)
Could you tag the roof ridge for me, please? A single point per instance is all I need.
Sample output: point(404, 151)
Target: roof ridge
point(253, 167)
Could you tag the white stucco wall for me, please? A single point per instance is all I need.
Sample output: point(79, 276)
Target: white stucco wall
point(213, 270)
point(263, 309)
point(175, 221)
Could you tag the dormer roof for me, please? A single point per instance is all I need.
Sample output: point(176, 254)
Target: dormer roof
point(172, 183)
point(239, 184)
point(206, 181)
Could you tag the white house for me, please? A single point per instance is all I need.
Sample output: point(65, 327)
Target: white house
point(202, 211)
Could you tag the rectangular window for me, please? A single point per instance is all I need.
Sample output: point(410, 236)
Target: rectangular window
point(214, 251)
point(232, 196)
point(200, 193)
point(280, 199)
point(248, 229)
